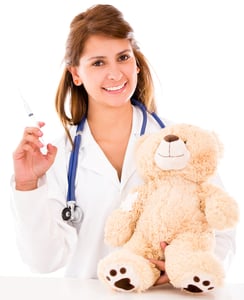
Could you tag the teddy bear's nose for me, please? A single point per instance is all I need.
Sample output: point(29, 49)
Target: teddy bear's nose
point(171, 138)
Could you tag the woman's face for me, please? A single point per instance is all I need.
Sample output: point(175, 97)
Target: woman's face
point(107, 70)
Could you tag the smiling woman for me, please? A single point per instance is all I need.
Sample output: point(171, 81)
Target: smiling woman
point(101, 128)
point(110, 78)
point(196, 55)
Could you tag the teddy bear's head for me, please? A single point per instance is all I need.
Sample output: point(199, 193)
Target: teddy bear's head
point(179, 149)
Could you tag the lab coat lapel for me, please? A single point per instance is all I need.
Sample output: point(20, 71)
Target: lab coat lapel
point(93, 158)
point(129, 165)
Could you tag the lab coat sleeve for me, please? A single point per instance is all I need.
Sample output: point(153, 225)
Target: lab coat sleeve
point(225, 246)
point(45, 241)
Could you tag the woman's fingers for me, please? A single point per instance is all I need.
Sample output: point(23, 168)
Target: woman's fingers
point(32, 133)
point(163, 245)
point(160, 264)
point(163, 279)
point(51, 152)
point(31, 140)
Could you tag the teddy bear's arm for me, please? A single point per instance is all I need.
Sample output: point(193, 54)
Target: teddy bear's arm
point(121, 223)
point(221, 210)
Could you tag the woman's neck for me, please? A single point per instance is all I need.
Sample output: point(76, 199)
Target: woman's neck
point(110, 118)
point(111, 129)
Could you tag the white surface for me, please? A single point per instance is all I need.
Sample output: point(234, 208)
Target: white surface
point(13, 288)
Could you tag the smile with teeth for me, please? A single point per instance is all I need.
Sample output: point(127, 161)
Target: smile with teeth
point(115, 88)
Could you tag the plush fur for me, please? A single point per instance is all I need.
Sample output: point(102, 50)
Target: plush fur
point(178, 204)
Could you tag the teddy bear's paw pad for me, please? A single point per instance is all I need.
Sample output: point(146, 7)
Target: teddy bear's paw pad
point(199, 285)
point(121, 279)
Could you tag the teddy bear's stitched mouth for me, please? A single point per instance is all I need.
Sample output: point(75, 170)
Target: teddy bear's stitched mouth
point(170, 156)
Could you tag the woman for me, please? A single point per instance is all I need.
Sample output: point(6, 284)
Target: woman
point(106, 81)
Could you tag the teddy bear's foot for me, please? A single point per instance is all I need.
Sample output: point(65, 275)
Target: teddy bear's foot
point(199, 284)
point(122, 278)
point(125, 271)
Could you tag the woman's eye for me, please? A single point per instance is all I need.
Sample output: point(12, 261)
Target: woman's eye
point(124, 57)
point(98, 63)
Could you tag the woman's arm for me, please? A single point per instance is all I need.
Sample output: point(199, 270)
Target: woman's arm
point(44, 240)
point(225, 247)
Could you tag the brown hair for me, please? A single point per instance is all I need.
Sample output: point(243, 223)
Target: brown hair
point(103, 20)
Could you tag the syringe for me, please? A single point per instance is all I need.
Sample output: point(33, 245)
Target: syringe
point(33, 122)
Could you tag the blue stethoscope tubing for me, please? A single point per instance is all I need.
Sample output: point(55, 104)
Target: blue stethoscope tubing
point(72, 211)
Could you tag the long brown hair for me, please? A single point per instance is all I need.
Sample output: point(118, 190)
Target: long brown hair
point(103, 20)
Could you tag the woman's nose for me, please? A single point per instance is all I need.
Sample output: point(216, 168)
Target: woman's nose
point(114, 73)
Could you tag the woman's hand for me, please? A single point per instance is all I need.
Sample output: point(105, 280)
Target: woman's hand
point(160, 264)
point(29, 162)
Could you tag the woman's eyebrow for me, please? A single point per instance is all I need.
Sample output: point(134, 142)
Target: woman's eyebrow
point(96, 57)
point(102, 56)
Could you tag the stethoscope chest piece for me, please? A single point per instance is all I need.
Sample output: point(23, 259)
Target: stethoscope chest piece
point(72, 213)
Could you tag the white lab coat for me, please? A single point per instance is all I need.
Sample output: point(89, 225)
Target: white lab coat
point(46, 242)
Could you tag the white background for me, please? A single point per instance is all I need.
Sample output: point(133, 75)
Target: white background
point(196, 49)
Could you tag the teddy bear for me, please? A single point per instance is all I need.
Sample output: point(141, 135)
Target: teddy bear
point(178, 203)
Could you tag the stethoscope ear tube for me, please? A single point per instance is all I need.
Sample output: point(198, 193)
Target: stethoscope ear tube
point(72, 166)
point(144, 114)
point(72, 212)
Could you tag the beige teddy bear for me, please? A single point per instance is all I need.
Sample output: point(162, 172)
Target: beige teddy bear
point(178, 204)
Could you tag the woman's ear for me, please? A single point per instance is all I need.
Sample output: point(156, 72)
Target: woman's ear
point(76, 78)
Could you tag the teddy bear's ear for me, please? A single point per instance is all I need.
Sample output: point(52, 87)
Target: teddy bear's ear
point(140, 141)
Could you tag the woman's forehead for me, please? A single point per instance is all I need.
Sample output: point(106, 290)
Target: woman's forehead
point(97, 45)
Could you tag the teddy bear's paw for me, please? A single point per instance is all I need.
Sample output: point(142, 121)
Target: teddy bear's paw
point(199, 284)
point(122, 278)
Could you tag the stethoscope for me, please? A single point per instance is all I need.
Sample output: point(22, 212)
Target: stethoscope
point(72, 212)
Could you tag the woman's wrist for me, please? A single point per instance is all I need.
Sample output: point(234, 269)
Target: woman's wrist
point(26, 185)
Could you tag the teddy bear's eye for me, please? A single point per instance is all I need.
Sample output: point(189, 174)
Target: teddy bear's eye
point(185, 141)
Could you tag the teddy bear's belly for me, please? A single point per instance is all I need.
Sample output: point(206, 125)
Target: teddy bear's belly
point(178, 211)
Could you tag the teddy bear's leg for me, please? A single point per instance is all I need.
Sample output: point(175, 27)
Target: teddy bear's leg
point(126, 271)
point(192, 267)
